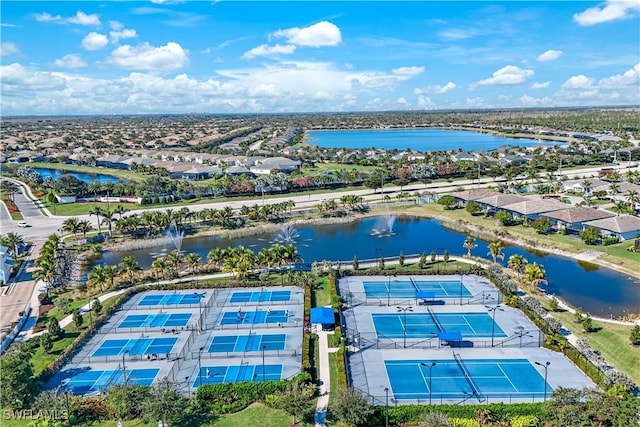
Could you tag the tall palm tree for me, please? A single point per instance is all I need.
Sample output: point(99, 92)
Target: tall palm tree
point(120, 210)
point(534, 274)
point(71, 225)
point(174, 259)
point(97, 211)
point(14, 241)
point(215, 256)
point(129, 266)
point(109, 218)
point(469, 244)
point(110, 272)
point(84, 227)
point(517, 263)
point(159, 266)
point(193, 261)
point(495, 250)
point(97, 278)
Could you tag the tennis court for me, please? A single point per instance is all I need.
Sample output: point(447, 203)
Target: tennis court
point(136, 346)
point(250, 342)
point(425, 325)
point(96, 381)
point(461, 379)
point(158, 320)
point(238, 373)
point(409, 289)
point(170, 299)
point(260, 296)
point(253, 317)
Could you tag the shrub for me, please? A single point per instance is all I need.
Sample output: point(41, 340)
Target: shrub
point(504, 217)
point(525, 421)
point(634, 337)
point(341, 368)
point(590, 235)
point(473, 208)
point(554, 304)
point(610, 241)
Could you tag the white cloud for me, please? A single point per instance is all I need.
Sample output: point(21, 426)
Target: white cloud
point(425, 102)
point(9, 48)
point(550, 55)
point(80, 18)
point(405, 73)
point(629, 79)
point(459, 33)
point(540, 85)
point(612, 10)
point(578, 82)
point(71, 61)
point(437, 89)
point(118, 32)
point(323, 33)
point(146, 57)
point(509, 75)
point(94, 41)
point(267, 50)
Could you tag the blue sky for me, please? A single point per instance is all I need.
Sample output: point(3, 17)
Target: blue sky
point(103, 57)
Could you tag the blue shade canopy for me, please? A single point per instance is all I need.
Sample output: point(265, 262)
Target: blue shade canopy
point(322, 315)
point(450, 336)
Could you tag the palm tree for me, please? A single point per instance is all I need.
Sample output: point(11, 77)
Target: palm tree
point(193, 261)
point(97, 211)
point(469, 244)
point(215, 256)
point(534, 274)
point(495, 250)
point(517, 263)
point(71, 225)
point(129, 266)
point(110, 272)
point(120, 210)
point(159, 266)
point(174, 259)
point(109, 218)
point(84, 227)
point(97, 278)
point(14, 241)
point(10, 188)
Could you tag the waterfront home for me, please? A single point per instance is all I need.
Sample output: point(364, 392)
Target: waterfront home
point(586, 186)
point(531, 209)
point(464, 197)
point(499, 200)
point(199, 172)
point(624, 227)
point(266, 166)
point(573, 219)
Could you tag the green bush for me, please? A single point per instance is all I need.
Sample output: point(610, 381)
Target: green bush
point(463, 422)
point(413, 414)
point(525, 421)
point(341, 368)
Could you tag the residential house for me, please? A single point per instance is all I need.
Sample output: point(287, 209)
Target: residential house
point(464, 156)
point(498, 200)
point(531, 209)
point(466, 196)
point(580, 186)
point(200, 172)
point(624, 227)
point(275, 164)
point(573, 219)
point(237, 170)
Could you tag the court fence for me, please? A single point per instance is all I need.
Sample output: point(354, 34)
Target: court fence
point(362, 298)
point(464, 398)
point(259, 303)
point(287, 352)
point(231, 326)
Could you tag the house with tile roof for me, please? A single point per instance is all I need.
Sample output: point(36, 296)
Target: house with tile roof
point(624, 227)
point(573, 219)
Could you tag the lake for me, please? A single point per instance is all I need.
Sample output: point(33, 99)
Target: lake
point(418, 139)
point(596, 290)
point(82, 176)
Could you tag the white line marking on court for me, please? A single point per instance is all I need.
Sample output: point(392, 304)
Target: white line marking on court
point(471, 327)
point(508, 378)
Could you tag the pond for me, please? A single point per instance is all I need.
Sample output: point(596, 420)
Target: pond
point(82, 176)
point(596, 290)
point(418, 139)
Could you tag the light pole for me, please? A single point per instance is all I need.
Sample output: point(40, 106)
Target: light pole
point(437, 259)
point(388, 290)
point(404, 324)
point(124, 369)
point(546, 367)
point(430, 366)
point(386, 406)
point(263, 349)
point(186, 381)
point(200, 296)
point(493, 310)
point(461, 286)
point(200, 366)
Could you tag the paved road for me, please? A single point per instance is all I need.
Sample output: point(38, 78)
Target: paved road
point(43, 226)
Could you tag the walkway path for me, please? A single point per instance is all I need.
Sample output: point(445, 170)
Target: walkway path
point(325, 378)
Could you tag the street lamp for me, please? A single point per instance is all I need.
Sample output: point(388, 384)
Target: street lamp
point(124, 369)
point(546, 367)
point(388, 290)
point(404, 324)
point(493, 317)
point(200, 296)
point(437, 260)
point(186, 381)
point(461, 287)
point(430, 366)
point(200, 366)
point(386, 410)
point(263, 349)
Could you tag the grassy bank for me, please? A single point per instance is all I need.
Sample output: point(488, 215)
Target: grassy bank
point(118, 173)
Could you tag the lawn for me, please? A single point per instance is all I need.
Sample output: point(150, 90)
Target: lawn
point(611, 341)
point(333, 370)
point(321, 293)
point(256, 415)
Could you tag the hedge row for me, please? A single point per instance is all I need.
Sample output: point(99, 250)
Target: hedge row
point(341, 368)
point(413, 414)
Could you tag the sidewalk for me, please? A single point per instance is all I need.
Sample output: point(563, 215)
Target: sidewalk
point(325, 378)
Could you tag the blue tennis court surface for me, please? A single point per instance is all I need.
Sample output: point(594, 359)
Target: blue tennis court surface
point(171, 299)
point(409, 288)
point(96, 381)
point(484, 377)
point(252, 317)
point(136, 346)
point(251, 342)
point(238, 373)
point(260, 296)
point(158, 320)
point(422, 325)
